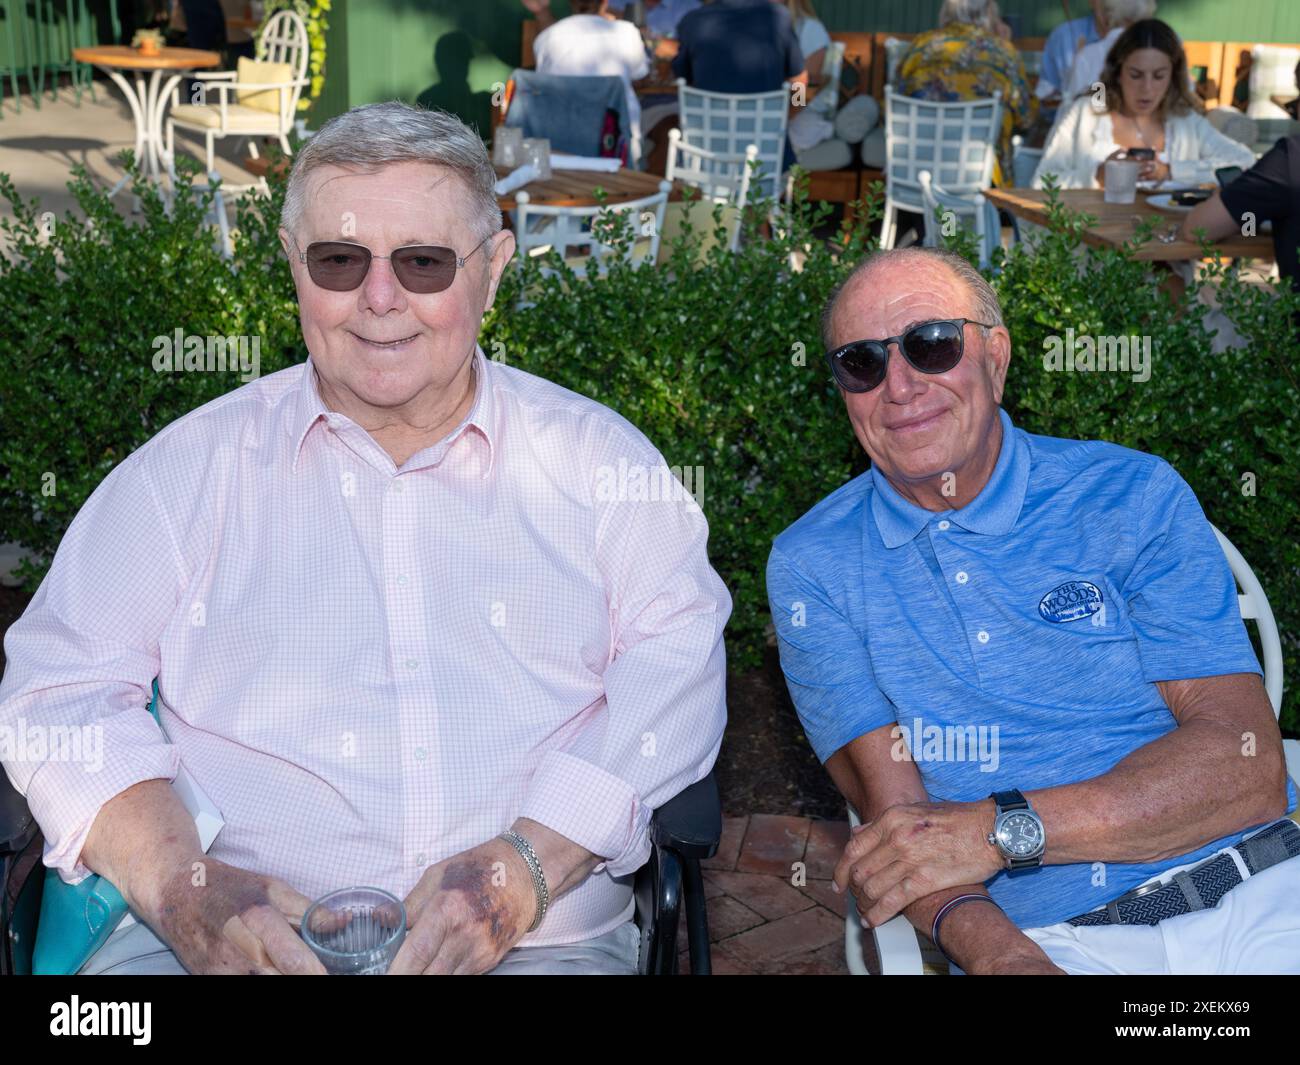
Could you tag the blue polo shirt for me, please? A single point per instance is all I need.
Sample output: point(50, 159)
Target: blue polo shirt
point(1015, 642)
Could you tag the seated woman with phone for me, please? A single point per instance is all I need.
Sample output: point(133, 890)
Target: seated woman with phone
point(1145, 113)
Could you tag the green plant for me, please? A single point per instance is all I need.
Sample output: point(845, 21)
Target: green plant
point(717, 358)
point(85, 300)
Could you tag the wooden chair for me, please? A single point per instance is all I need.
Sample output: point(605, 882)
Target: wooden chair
point(1206, 56)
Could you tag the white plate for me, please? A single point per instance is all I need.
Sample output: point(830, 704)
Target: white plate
point(1165, 202)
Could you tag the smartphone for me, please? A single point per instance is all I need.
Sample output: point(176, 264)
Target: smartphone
point(1227, 174)
point(1140, 153)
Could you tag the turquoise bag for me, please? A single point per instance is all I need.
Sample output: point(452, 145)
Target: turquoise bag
point(76, 919)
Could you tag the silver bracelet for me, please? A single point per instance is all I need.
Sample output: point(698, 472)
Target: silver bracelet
point(535, 868)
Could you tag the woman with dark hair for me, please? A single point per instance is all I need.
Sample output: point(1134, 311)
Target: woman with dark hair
point(1145, 103)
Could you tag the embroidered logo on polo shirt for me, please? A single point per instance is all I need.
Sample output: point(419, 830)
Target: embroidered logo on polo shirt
point(1070, 602)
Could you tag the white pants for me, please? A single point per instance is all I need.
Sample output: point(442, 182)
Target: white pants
point(1255, 928)
point(136, 951)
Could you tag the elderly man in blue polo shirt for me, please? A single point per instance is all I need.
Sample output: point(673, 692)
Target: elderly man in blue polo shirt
point(1022, 662)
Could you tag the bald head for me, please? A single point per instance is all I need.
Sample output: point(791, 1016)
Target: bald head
point(913, 265)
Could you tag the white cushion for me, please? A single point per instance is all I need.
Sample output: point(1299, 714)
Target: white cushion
point(239, 119)
point(261, 72)
point(856, 119)
point(830, 154)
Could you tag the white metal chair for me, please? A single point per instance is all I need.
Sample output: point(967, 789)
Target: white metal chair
point(896, 942)
point(569, 230)
point(282, 39)
point(727, 123)
point(982, 214)
point(721, 178)
point(956, 142)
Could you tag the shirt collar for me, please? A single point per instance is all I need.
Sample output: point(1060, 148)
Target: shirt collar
point(309, 409)
point(992, 512)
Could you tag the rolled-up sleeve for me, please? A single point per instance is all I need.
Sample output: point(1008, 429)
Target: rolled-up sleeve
point(80, 664)
point(664, 711)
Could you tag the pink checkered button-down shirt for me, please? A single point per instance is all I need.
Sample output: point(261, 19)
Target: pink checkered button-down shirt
point(369, 669)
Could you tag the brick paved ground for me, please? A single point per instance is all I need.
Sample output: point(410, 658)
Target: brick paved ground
point(770, 903)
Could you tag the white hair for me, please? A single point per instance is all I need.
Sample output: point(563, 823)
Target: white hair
point(1126, 12)
point(373, 136)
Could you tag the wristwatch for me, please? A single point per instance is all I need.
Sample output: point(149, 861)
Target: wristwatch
point(1017, 831)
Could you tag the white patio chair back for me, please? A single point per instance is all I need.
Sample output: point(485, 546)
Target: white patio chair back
point(727, 123)
point(720, 177)
point(974, 209)
point(282, 38)
point(956, 142)
point(896, 942)
point(568, 230)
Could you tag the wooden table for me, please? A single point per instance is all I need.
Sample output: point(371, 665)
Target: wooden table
point(577, 188)
point(1116, 223)
point(148, 100)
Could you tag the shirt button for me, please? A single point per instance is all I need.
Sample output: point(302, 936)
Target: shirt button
point(420, 752)
point(398, 486)
point(401, 579)
point(961, 576)
point(420, 859)
point(411, 663)
point(982, 636)
point(943, 526)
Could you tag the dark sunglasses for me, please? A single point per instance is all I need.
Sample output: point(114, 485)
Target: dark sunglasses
point(340, 266)
point(932, 347)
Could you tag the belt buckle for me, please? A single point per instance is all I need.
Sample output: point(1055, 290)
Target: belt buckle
point(1138, 892)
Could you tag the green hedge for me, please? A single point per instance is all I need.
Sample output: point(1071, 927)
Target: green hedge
point(716, 357)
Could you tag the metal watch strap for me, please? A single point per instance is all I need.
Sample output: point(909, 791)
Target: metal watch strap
point(540, 889)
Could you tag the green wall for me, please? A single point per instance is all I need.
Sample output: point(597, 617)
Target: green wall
point(452, 53)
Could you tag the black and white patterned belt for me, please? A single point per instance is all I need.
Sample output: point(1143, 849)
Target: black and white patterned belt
point(1202, 886)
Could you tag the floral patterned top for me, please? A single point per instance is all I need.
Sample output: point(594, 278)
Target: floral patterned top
point(962, 62)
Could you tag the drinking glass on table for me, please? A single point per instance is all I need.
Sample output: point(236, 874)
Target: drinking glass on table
point(356, 931)
point(508, 146)
point(537, 150)
point(1121, 180)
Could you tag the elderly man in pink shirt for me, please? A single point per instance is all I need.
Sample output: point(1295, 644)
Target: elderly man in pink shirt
point(408, 631)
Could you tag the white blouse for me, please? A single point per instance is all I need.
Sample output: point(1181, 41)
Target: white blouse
point(1082, 139)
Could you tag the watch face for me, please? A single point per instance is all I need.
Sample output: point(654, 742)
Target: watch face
point(1020, 835)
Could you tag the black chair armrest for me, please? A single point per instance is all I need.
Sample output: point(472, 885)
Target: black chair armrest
point(17, 825)
point(690, 823)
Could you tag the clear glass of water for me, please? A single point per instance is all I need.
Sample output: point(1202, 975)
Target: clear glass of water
point(508, 146)
point(537, 150)
point(1121, 180)
point(356, 931)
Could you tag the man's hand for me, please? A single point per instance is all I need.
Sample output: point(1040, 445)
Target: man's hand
point(467, 911)
point(221, 919)
point(914, 850)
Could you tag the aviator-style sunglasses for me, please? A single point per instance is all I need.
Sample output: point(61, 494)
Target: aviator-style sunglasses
point(932, 347)
point(422, 268)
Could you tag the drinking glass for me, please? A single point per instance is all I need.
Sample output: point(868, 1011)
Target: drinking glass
point(1121, 180)
point(508, 147)
point(537, 151)
point(356, 931)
